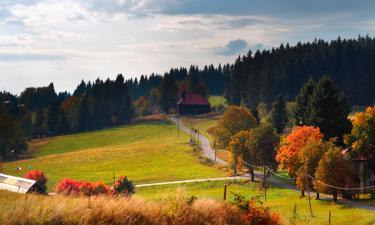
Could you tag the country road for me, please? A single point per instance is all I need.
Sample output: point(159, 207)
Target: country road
point(208, 152)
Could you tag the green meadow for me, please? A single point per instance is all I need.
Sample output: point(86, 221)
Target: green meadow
point(145, 152)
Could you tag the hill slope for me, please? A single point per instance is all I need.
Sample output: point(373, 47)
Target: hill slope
point(148, 152)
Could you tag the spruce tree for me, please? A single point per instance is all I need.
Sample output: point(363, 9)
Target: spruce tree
point(329, 110)
point(279, 115)
point(38, 125)
point(53, 116)
point(323, 105)
point(84, 113)
point(168, 93)
point(302, 113)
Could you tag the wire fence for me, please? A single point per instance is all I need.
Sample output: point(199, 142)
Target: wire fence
point(313, 178)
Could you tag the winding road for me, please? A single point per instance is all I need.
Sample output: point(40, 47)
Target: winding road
point(208, 152)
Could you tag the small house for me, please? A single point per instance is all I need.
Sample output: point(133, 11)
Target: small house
point(191, 103)
point(15, 184)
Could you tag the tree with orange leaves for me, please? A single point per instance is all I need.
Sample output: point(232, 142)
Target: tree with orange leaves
point(362, 136)
point(291, 145)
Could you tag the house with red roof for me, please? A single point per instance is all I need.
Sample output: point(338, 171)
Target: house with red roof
point(192, 103)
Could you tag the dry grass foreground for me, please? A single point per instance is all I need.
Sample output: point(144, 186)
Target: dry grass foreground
point(42, 210)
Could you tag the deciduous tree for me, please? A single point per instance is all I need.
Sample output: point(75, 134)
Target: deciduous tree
point(233, 120)
point(362, 137)
point(333, 169)
point(291, 145)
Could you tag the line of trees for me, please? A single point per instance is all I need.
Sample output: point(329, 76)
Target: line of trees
point(315, 144)
point(261, 76)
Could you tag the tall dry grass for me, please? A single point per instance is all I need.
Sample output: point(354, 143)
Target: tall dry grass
point(56, 210)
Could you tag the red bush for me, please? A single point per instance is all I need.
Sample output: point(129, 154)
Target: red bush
point(260, 215)
point(40, 185)
point(85, 188)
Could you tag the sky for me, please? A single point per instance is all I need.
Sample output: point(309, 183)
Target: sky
point(65, 41)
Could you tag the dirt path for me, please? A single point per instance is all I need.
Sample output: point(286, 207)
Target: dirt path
point(208, 152)
point(191, 181)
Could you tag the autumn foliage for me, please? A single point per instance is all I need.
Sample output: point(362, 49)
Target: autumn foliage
point(291, 145)
point(40, 185)
point(362, 137)
point(234, 120)
point(82, 188)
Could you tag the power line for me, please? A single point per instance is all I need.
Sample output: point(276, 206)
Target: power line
point(341, 188)
point(328, 185)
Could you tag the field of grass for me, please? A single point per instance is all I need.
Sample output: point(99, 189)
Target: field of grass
point(146, 153)
point(203, 122)
point(278, 199)
point(16, 209)
point(216, 100)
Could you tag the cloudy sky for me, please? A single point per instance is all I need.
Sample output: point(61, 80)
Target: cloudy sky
point(65, 41)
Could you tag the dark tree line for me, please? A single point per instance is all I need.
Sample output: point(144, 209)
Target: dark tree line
point(209, 79)
point(261, 76)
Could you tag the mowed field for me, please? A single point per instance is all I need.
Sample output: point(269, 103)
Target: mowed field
point(279, 200)
point(146, 153)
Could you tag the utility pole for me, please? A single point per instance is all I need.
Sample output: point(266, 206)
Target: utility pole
point(235, 164)
point(308, 192)
point(178, 127)
point(264, 183)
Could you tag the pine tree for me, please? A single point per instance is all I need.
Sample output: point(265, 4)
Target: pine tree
point(84, 113)
point(168, 93)
point(302, 113)
point(38, 126)
point(279, 115)
point(52, 120)
point(329, 110)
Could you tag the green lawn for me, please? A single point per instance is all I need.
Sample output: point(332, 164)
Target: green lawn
point(216, 100)
point(278, 199)
point(146, 153)
point(203, 122)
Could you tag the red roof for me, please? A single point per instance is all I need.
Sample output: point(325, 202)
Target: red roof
point(193, 99)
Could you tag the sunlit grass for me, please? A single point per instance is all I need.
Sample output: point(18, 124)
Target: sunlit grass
point(145, 153)
point(279, 199)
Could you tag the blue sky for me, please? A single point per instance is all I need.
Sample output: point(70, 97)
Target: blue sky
point(65, 41)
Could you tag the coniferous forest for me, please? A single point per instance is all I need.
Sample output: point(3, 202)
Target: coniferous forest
point(251, 79)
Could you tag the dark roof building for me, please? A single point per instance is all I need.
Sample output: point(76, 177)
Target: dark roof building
point(191, 103)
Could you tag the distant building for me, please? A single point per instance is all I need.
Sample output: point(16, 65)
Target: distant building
point(15, 184)
point(361, 175)
point(191, 103)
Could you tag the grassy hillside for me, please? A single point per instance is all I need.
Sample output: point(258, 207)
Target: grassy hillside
point(146, 153)
point(280, 200)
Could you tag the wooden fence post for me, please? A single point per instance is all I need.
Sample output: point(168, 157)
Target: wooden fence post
point(225, 192)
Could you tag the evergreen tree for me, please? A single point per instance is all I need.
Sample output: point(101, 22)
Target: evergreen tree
point(126, 109)
point(303, 99)
point(279, 115)
point(38, 125)
point(168, 93)
point(52, 120)
point(11, 136)
point(84, 113)
point(329, 110)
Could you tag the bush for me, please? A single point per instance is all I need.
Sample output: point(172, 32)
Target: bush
point(82, 188)
point(123, 186)
point(40, 185)
point(253, 214)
